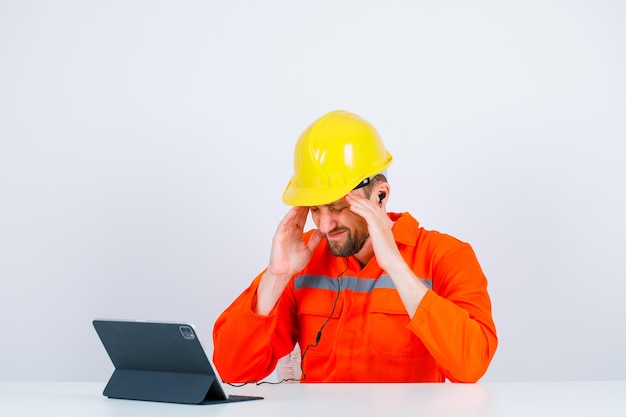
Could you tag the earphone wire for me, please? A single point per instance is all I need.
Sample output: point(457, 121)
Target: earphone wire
point(318, 337)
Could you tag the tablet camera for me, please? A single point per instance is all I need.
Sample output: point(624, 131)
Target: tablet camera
point(187, 332)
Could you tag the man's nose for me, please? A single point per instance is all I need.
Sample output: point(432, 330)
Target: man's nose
point(327, 221)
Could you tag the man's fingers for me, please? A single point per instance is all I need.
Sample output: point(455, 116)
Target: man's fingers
point(360, 205)
point(300, 216)
point(292, 218)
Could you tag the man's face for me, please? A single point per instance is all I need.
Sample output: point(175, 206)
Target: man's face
point(345, 231)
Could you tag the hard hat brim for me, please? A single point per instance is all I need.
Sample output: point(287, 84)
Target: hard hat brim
point(318, 196)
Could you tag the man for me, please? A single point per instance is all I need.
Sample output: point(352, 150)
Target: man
point(369, 296)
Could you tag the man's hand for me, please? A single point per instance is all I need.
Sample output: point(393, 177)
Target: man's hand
point(289, 255)
point(410, 289)
point(379, 226)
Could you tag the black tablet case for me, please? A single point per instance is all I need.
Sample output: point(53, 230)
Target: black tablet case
point(159, 362)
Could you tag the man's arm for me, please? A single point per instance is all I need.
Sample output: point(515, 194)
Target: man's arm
point(410, 289)
point(289, 255)
point(247, 345)
point(455, 325)
point(259, 326)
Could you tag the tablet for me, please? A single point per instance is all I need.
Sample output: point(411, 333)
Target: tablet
point(160, 361)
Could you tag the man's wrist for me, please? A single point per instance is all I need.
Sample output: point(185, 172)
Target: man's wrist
point(268, 292)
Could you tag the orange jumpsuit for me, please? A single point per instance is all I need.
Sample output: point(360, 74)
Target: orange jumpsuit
point(370, 337)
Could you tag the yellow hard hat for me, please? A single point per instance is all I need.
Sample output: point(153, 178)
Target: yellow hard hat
point(332, 157)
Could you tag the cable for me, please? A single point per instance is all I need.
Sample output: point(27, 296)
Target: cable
point(318, 337)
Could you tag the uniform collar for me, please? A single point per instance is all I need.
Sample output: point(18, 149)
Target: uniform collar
point(405, 228)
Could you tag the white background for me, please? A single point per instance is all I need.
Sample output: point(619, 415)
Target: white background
point(145, 145)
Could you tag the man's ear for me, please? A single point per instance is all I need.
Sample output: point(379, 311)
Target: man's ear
point(382, 194)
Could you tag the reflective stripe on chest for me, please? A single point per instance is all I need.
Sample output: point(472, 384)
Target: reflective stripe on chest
point(348, 283)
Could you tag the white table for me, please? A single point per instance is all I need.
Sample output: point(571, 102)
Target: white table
point(532, 399)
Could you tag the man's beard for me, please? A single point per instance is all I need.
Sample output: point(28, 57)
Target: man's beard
point(353, 244)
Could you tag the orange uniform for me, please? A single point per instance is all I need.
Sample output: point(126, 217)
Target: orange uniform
point(369, 337)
